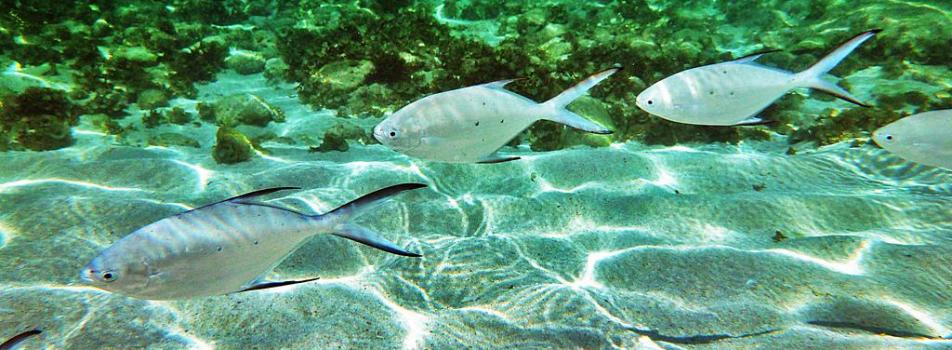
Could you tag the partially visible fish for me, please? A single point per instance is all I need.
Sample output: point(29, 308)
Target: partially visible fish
point(733, 93)
point(225, 247)
point(19, 338)
point(922, 138)
point(469, 125)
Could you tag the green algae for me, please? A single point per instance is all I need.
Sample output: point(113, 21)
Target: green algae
point(39, 119)
point(368, 58)
point(231, 146)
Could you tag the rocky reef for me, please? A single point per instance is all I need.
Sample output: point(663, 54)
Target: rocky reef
point(368, 58)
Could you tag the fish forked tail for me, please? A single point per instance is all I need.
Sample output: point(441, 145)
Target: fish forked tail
point(343, 215)
point(812, 77)
point(557, 104)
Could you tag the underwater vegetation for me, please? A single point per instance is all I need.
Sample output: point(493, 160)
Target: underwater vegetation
point(368, 58)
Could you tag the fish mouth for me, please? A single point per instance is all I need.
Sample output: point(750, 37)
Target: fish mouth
point(86, 276)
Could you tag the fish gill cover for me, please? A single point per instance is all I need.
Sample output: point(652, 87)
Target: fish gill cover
point(732, 237)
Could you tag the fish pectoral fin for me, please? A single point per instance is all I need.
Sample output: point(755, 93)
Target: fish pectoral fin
point(754, 121)
point(370, 238)
point(495, 158)
point(266, 285)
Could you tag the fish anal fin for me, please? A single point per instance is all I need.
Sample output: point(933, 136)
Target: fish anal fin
point(367, 237)
point(754, 121)
point(275, 284)
point(495, 158)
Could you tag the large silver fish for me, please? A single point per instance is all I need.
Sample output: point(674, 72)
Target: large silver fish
point(733, 93)
point(225, 247)
point(469, 125)
point(922, 138)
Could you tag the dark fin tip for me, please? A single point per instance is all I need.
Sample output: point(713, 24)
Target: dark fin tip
point(848, 99)
point(762, 122)
point(874, 31)
point(498, 160)
point(19, 338)
point(267, 285)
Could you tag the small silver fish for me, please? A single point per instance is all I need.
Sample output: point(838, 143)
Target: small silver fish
point(733, 93)
point(225, 247)
point(922, 138)
point(469, 125)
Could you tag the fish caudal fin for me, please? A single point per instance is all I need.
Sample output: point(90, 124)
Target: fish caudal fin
point(342, 216)
point(557, 104)
point(812, 77)
point(370, 238)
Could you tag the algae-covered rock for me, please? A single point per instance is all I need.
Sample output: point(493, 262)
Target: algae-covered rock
point(167, 139)
point(138, 55)
point(104, 123)
point(152, 99)
point(345, 74)
point(245, 63)
point(335, 138)
point(231, 146)
point(275, 70)
point(39, 119)
point(242, 109)
point(178, 115)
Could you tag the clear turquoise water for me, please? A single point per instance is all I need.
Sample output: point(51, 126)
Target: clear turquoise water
point(699, 245)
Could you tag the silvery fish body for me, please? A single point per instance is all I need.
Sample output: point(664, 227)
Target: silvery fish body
point(733, 93)
point(922, 138)
point(222, 248)
point(469, 125)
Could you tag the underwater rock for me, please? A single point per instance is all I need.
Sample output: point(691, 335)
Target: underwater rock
point(178, 115)
point(245, 63)
point(242, 109)
point(137, 55)
point(344, 75)
point(153, 118)
point(167, 139)
point(231, 146)
point(152, 99)
point(275, 70)
point(39, 119)
point(335, 138)
point(104, 123)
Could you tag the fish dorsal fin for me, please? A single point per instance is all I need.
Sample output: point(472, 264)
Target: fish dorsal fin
point(754, 56)
point(243, 199)
point(499, 84)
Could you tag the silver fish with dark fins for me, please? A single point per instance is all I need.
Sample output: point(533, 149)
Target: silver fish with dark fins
point(733, 93)
point(922, 138)
point(225, 247)
point(470, 124)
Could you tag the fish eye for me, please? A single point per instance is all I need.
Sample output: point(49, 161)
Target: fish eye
point(393, 134)
point(108, 276)
point(889, 137)
point(650, 102)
